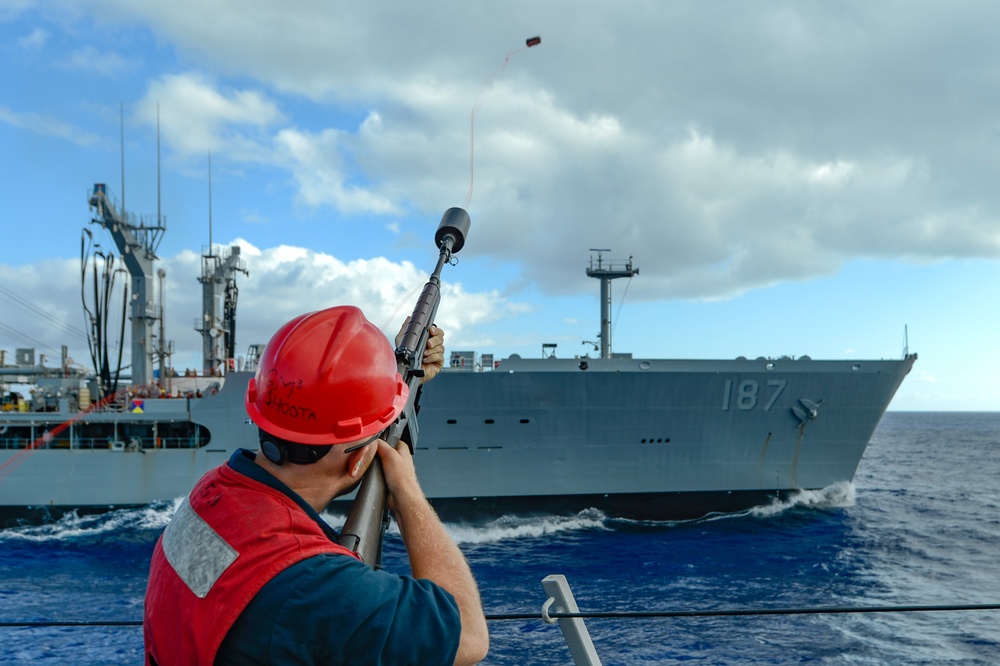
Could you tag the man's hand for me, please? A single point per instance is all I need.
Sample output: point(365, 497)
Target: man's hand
point(400, 475)
point(433, 354)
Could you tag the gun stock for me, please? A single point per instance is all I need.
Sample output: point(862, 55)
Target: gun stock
point(368, 519)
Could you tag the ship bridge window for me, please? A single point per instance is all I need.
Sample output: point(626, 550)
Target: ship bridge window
point(452, 421)
point(655, 440)
point(488, 421)
point(525, 421)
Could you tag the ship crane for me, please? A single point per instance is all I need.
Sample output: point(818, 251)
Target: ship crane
point(137, 242)
point(606, 271)
point(218, 296)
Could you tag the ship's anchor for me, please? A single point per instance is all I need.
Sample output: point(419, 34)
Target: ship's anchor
point(806, 410)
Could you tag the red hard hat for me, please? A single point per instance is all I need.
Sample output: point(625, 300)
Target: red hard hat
point(326, 377)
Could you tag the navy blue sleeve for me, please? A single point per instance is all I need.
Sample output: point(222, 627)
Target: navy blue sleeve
point(333, 609)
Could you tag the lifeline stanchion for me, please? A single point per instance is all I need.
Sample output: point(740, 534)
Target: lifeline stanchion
point(574, 630)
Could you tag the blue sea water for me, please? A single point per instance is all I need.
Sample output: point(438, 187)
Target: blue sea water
point(920, 525)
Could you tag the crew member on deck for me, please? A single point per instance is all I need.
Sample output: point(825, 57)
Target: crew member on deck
point(248, 573)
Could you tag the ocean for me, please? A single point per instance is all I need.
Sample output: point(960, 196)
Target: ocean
point(920, 525)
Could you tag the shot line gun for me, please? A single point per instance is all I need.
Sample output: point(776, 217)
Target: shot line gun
point(368, 519)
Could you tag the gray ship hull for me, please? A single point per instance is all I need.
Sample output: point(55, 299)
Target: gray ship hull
point(644, 439)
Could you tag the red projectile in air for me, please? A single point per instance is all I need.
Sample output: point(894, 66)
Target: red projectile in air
point(533, 41)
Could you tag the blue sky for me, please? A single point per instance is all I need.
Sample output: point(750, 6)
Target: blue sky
point(791, 177)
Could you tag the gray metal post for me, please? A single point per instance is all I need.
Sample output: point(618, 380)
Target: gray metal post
point(573, 628)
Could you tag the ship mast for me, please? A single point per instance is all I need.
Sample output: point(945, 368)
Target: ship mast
point(218, 299)
point(606, 272)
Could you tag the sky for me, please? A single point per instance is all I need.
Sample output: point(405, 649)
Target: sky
point(791, 177)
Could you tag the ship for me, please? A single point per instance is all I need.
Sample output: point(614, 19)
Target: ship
point(635, 438)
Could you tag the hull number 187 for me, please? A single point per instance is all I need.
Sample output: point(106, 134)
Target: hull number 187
point(748, 395)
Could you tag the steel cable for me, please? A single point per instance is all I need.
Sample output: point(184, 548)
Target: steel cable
point(603, 615)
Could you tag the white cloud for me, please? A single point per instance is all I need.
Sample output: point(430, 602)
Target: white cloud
point(104, 63)
point(253, 216)
point(11, 8)
point(286, 281)
point(832, 173)
point(196, 117)
point(315, 160)
point(729, 153)
point(734, 178)
point(47, 126)
point(34, 40)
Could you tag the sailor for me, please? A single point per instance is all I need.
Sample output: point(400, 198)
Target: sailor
point(248, 573)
